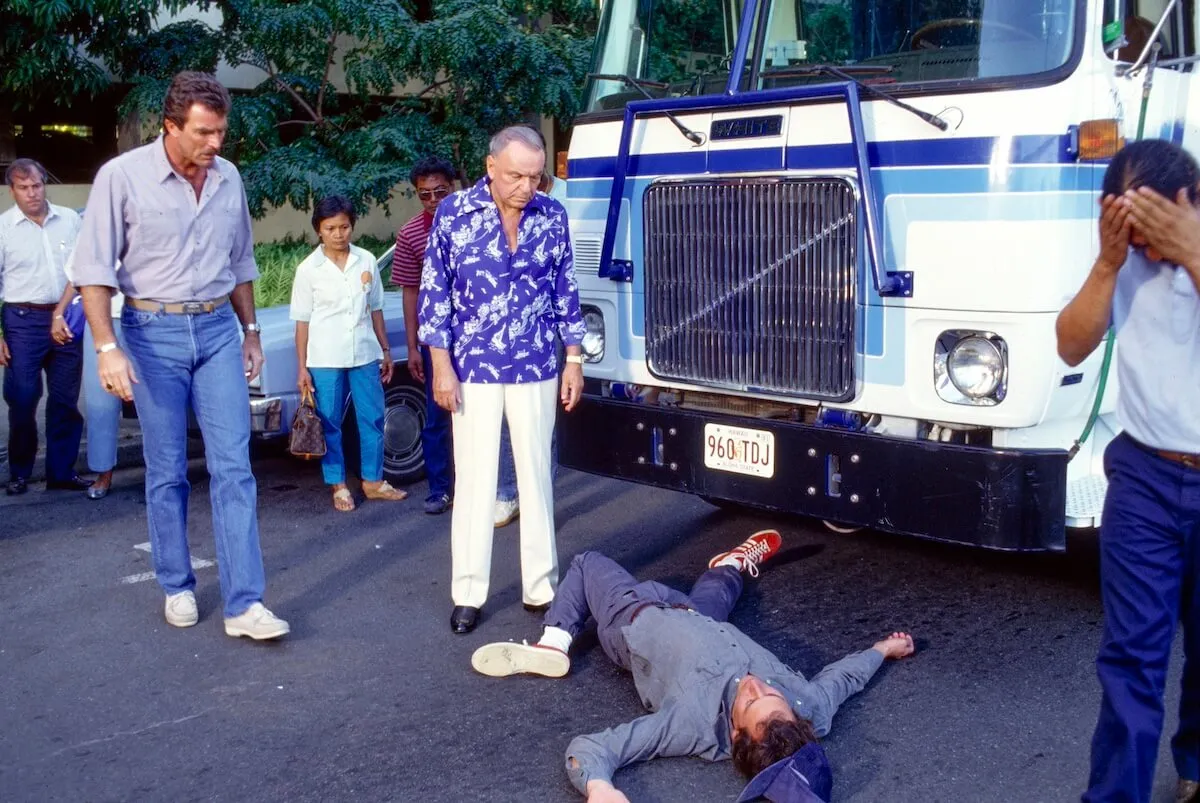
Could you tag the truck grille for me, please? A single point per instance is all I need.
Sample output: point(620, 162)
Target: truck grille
point(751, 284)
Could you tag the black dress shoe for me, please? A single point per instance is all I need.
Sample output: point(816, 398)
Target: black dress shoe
point(16, 487)
point(464, 618)
point(545, 606)
point(75, 483)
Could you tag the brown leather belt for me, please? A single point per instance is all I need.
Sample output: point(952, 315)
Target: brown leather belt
point(181, 308)
point(25, 305)
point(1183, 458)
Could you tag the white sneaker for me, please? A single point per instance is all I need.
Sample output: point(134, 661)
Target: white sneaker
point(180, 609)
point(506, 512)
point(503, 658)
point(257, 622)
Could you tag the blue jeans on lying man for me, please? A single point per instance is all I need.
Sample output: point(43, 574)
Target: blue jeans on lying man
point(195, 361)
point(365, 389)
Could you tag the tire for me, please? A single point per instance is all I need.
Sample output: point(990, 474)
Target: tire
point(403, 420)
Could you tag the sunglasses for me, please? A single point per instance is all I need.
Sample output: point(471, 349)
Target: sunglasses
point(429, 195)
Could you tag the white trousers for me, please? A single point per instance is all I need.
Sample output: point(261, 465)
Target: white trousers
point(530, 408)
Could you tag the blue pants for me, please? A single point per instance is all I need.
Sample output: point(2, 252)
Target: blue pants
point(1149, 572)
point(103, 410)
point(363, 385)
point(27, 332)
point(597, 585)
point(436, 446)
point(196, 361)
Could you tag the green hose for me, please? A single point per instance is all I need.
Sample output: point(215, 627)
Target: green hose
point(1111, 337)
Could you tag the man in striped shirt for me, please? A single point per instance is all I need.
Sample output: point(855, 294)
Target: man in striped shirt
point(433, 180)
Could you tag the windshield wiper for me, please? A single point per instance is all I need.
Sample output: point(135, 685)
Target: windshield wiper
point(695, 137)
point(844, 73)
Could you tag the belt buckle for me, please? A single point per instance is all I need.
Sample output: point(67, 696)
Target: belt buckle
point(1190, 460)
point(195, 307)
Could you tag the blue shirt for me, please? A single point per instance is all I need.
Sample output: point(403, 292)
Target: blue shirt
point(1156, 312)
point(147, 234)
point(497, 311)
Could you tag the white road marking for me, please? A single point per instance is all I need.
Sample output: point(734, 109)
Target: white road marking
point(141, 577)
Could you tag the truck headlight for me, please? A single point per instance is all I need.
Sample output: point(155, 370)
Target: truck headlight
point(593, 339)
point(970, 367)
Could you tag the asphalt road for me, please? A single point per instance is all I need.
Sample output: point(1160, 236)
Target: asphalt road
point(372, 697)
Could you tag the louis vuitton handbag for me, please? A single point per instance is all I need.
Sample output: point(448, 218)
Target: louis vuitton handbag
point(307, 438)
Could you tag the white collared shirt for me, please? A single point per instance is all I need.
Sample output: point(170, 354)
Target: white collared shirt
point(337, 304)
point(33, 258)
point(1156, 312)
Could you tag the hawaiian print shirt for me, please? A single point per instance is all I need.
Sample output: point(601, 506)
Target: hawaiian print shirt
point(498, 312)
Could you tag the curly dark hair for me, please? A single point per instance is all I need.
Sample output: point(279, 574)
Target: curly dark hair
point(1162, 166)
point(432, 166)
point(780, 738)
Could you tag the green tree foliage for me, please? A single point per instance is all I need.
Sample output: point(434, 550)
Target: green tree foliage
point(54, 49)
point(353, 92)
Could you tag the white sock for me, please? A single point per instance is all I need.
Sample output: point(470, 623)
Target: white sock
point(730, 560)
point(555, 637)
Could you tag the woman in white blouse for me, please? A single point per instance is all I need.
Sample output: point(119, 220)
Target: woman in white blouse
point(342, 345)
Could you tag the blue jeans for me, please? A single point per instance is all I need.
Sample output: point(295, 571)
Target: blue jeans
point(103, 410)
point(363, 385)
point(1149, 582)
point(436, 445)
point(27, 332)
point(597, 585)
point(506, 479)
point(196, 360)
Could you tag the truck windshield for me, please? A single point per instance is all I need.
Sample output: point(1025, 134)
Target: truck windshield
point(670, 47)
point(679, 47)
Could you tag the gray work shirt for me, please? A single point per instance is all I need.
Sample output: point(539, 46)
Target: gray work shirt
point(33, 258)
point(686, 668)
point(1156, 312)
point(145, 232)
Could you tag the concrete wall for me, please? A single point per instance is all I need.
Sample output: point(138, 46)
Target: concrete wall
point(278, 223)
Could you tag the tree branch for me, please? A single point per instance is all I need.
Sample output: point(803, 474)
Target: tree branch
point(433, 86)
point(329, 54)
point(282, 84)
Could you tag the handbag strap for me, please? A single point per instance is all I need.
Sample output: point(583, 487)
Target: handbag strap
point(306, 398)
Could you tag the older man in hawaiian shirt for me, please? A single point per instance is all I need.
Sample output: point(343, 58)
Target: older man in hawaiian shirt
point(498, 286)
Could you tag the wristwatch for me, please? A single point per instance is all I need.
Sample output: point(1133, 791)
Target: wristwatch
point(575, 358)
point(252, 327)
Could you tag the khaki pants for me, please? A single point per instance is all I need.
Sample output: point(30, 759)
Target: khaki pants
point(530, 409)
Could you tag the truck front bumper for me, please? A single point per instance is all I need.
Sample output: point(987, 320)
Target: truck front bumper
point(995, 498)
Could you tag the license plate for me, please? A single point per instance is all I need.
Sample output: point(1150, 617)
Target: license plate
point(739, 450)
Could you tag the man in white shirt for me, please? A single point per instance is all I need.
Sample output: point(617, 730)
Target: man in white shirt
point(36, 237)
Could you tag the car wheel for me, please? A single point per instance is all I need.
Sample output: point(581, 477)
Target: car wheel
point(403, 420)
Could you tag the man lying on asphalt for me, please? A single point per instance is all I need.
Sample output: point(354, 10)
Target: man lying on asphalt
point(711, 690)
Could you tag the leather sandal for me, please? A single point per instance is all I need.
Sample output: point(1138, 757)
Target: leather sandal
point(381, 490)
point(343, 501)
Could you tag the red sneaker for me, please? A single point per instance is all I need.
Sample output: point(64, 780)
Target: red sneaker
point(758, 548)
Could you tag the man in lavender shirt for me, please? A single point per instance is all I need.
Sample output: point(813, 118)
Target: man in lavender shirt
point(167, 224)
point(497, 291)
